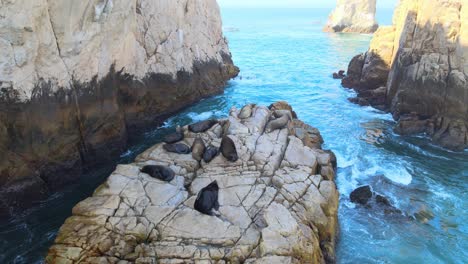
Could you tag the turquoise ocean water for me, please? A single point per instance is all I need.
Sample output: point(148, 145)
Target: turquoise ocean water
point(283, 55)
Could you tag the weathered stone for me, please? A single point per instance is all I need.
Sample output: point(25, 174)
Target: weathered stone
point(79, 78)
point(273, 206)
point(421, 60)
point(353, 16)
point(361, 195)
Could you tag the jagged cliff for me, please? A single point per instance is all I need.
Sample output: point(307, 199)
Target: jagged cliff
point(418, 70)
point(354, 16)
point(77, 77)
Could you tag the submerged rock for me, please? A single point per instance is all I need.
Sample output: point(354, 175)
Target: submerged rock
point(275, 206)
point(361, 195)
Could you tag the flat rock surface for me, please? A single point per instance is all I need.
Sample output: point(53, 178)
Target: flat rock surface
point(278, 203)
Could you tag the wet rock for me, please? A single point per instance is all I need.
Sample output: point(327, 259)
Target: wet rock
point(361, 195)
point(275, 206)
point(340, 75)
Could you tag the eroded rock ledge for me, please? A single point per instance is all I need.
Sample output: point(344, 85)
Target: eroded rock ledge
point(418, 70)
point(278, 203)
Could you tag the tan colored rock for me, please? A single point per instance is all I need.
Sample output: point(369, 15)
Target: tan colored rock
point(77, 78)
point(275, 207)
point(353, 16)
point(422, 62)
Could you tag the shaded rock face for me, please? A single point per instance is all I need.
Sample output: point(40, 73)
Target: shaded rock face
point(353, 16)
point(78, 77)
point(277, 203)
point(422, 61)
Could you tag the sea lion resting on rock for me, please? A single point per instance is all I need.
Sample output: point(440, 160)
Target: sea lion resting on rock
point(178, 148)
point(228, 149)
point(278, 123)
point(210, 153)
point(202, 126)
point(246, 111)
point(198, 149)
point(175, 137)
point(162, 173)
point(280, 113)
point(207, 199)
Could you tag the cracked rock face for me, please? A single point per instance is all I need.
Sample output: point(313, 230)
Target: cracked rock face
point(278, 203)
point(353, 16)
point(418, 69)
point(78, 77)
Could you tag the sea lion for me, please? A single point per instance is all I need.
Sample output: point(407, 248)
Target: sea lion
point(162, 173)
point(174, 137)
point(210, 153)
point(246, 111)
point(207, 199)
point(198, 149)
point(202, 126)
point(278, 123)
point(178, 148)
point(280, 113)
point(228, 149)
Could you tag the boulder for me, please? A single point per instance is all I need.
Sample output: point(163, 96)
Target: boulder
point(353, 16)
point(361, 195)
point(277, 203)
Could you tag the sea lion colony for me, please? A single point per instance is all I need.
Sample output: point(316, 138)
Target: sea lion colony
point(207, 199)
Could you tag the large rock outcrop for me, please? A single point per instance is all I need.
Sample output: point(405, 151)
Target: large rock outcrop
point(353, 16)
point(77, 77)
point(418, 69)
point(278, 203)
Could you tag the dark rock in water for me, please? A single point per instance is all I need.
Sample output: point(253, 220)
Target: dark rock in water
point(162, 173)
point(339, 75)
point(198, 149)
point(228, 149)
point(207, 199)
point(359, 101)
point(178, 148)
point(202, 126)
point(361, 195)
point(174, 138)
point(382, 200)
point(424, 215)
point(210, 153)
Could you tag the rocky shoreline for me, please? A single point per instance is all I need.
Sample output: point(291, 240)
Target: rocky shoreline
point(75, 87)
point(277, 201)
point(417, 69)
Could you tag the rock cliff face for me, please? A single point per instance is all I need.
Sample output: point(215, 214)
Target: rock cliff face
point(354, 16)
point(77, 77)
point(278, 203)
point(418, 69)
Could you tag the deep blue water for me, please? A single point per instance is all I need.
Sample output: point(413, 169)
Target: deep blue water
point(283, 55)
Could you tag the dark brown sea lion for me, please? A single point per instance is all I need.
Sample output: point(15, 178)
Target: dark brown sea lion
point(178, 148)
point(278, 123)
point(162, 173)
point(228, 149)
point(202, 126)
point(198, 149)
point(210, 153)
point(175, 137)
point(246, 111)
point(207, 199)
